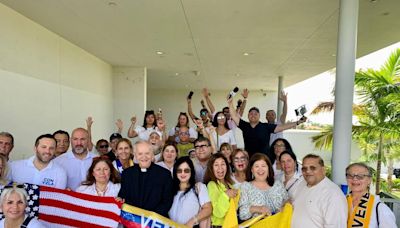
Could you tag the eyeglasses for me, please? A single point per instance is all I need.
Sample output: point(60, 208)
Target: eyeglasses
point(220, 117)
point(241, 159)
point(201, 146)
point(311, 168)
point(103, 146)
point(183, 170)
point(356, 176)
point(184, 133)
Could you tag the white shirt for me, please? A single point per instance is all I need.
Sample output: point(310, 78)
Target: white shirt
point(144, 133)
point(162, 164)
point(34, 223)
point(53, 175)
point(228, 137)
point(185, 207)
point(293, 183)
point(275, 136)
point(278, 173)
point(192, 133)
point(200, 170)
point(322, 205)
point(75, 167)
point(112, 189)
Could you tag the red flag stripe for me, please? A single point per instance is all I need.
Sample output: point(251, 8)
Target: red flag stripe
point(79, 195)
point(80, 209)
point(67, 221)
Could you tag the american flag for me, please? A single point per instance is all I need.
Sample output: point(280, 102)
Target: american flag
point(62, 208)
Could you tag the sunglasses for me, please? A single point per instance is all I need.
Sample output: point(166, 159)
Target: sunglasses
point(103, 146)
point(14, 185)
point(220, 117)
point(183, 170)
point(241, 159)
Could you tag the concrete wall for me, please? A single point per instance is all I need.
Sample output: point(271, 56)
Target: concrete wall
point(48, 83)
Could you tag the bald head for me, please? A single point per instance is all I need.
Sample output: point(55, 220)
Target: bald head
point(79, 141)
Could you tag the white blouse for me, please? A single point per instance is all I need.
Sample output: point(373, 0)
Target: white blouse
point(112, 189)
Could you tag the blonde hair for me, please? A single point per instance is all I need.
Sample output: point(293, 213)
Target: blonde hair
point(21, 192)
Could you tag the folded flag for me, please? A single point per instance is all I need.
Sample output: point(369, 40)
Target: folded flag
point(279, 220)
point(62, 208)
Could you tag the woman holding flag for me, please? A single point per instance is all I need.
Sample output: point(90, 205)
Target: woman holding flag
point(365, 209)
point(262, 194)
point(219, 185)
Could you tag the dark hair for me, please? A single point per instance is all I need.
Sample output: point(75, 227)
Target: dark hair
point(210, 176)
point(175, 180)
point(187, 119)
point(215, 120)
point(292, 155)
point(9, 135)
point(61, 132)
point(314, 156)
point(100, 141)
point(47, 136)
point(167, 144)
point(203, 110)
point(202, 139)
point(272, 155)
point(148, 113)
point(114, 174)
point(257, 157)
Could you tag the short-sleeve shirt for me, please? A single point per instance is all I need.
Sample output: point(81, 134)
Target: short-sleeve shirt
point(192, 133)
point(144, 133)
point(256, 139)
point(228, 137)
point(24, 171)
point(186, 206)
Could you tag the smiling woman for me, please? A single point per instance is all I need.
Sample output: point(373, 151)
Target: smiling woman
point(13, 203)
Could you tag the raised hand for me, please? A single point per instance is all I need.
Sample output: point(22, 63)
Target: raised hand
point(133, 119)
point(161, 124)
point(89, 122)
point(283, 96)
point(119, 124)
point(245, 93)
point(205, 92)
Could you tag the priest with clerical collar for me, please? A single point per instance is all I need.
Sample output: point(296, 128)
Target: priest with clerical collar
point(147, 185)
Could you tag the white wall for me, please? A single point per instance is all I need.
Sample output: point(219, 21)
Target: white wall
point(47, 84)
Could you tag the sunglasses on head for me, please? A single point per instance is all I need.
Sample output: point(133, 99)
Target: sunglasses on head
point(14, 185)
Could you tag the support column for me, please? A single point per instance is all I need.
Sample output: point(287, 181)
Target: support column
point(279, 106)
point(345, 70)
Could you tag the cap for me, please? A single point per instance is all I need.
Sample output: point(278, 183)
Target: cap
point(254, 109)
point(115, 136)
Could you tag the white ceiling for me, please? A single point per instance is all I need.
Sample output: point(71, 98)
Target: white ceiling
point(292, 38)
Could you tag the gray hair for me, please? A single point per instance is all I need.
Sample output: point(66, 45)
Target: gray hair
point(360, 164)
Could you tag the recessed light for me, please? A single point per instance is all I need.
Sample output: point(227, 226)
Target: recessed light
point(159, 52)
point(176, 74)
point(333, 55)
point(246, 53)
point(112, 4)
point(237, 75)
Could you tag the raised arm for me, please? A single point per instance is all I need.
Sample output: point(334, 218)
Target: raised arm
point(89, 122)
point(206, 95)
point(190, 110)
point(283, 98)
point(161, 125)
point(120, 125)
point(282, 127)
point(234, 115)
point(131, 131)
point(245, 94)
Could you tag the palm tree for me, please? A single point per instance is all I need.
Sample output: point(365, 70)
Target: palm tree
point(379, 110)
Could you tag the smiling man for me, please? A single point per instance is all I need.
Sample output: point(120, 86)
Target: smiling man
point(147, 185)
point(318, 202)
point(40, 169)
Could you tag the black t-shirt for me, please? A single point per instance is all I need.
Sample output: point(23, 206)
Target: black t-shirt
point(256, 140)
point(111, 156)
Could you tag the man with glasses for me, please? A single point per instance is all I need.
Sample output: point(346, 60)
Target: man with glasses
point(40, 169)
point(202, 148)
point(318, 202)
point(184, 144)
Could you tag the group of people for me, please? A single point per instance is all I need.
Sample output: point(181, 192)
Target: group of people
point(190, 174)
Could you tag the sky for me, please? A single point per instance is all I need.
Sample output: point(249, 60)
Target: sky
point(318, 88)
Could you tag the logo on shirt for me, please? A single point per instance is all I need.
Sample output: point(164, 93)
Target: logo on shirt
point(48, 182)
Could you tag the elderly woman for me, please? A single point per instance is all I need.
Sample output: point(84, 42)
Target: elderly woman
point(292, 174)
point(262, 194)
point(3, 171)
point(102, 179)
point(191, 204)
point(361, 202)
point(13, 202)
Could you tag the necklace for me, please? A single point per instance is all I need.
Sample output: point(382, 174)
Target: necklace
point(101, 192)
